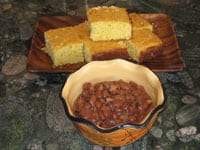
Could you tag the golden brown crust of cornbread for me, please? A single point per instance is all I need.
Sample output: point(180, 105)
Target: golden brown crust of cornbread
point(115, 53)
point(104, 46)
point(150, 54)
point(65, 45)
point(105, 13)
point(68, 35)
point(145, 39)
point(139, 23)
point(145, 44)
point(105, 50)
point(83, 30)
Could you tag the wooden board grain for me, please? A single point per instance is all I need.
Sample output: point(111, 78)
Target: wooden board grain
point(169, 60)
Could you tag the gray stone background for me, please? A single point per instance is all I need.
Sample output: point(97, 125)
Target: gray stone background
point(31, 113)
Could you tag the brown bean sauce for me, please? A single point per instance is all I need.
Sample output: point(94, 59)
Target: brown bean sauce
point(110, 103)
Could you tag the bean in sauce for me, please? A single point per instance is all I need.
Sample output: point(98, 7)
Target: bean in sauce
point(110, 103)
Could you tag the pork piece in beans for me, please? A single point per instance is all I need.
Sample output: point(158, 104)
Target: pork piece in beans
point(110, 103)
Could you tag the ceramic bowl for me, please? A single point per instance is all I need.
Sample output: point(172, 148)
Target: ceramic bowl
point(98, 71)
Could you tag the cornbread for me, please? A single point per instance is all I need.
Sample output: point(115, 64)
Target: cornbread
point(65, 45)
point(109, 23)
point(104, 50)
point(143, 42)
point(139, 23)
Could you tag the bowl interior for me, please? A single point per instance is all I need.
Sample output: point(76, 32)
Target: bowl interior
point(112, 70)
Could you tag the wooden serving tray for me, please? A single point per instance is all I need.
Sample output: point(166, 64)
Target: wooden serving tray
point(169, 60)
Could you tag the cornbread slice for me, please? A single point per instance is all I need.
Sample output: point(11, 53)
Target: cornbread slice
point(139, 23)
point(65, 45)
point(144, 45)
point(105, 50)
point(109, 23)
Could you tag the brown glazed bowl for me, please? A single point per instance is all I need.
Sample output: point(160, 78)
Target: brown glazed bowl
point(98, 71)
